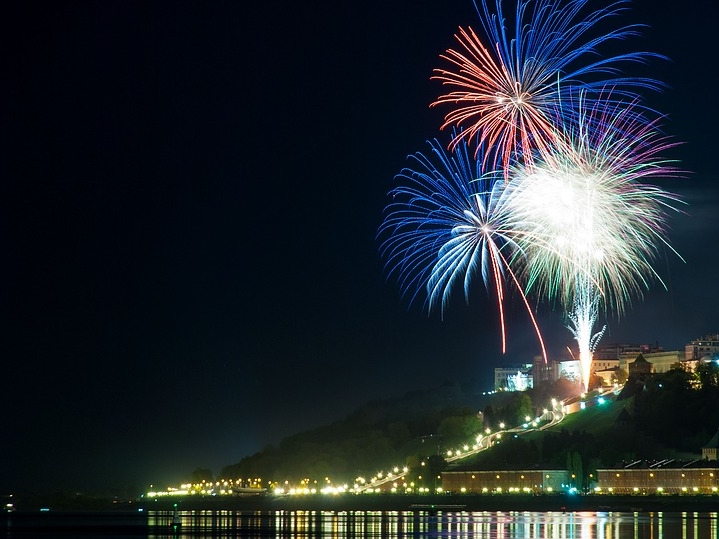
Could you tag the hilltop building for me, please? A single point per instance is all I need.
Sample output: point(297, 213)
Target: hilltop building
point(604, 364)
point(625, 354)
point(544, 372)
point(610, 376)
point(623, 350)
point(516, 377)
point(663, 361)
point(639, 367)
point(570, 370)
point(611, 362)
point(705, 347)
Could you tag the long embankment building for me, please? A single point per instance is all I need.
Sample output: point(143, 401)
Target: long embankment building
point(700, 476)
point(668, 476)
point(664, 477)
point(505, 481)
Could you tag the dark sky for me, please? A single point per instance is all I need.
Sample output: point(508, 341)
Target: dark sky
point(190, 196)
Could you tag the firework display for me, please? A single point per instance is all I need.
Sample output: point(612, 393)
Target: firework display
point(553, 199)
point(447, 223)
point(504, 94)
point(585, 212)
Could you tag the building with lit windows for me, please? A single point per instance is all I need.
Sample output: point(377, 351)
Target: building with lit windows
point(651, 362)
point(704, 347)
point(624, 354)
point(513, 377)
point(663, 477)
point(506, 481)
point(624, 351)
point(609, 376)
point(663, 361)
point(613, 351)
point(544, 371)
point(604, 364)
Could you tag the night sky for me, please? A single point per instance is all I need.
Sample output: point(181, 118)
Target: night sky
point(190, 197)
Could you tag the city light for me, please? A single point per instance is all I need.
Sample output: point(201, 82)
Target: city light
point(633, 481)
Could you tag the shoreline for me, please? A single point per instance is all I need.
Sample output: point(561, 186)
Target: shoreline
point(451, 503)
point(383, 502)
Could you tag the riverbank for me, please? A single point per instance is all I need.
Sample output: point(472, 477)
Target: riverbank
point(381, 502)
point(445, 503)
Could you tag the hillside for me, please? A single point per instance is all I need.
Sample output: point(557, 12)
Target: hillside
point(668, 415)
point(379, 434)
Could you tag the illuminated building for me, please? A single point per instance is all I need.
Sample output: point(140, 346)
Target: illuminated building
point(570, 370)
point(617, 350)
point(505, 481)
point(663, 361)
point(704, 347)
point(544, 372)
point(662, 477)
point(624, 354)
point(604, 364)
point(608, 376)
point(513, 377)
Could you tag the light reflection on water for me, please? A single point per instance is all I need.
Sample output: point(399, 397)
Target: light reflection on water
point(459, 525)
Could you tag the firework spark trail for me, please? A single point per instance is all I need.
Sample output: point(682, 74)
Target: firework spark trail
point(504, 93)
point(590, 225)
point(587, 212)
point(445, 225)
point(581, 323)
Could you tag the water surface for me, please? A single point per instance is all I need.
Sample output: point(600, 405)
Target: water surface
point(401, 524)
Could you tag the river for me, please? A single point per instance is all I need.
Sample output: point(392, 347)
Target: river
point(368, 524)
